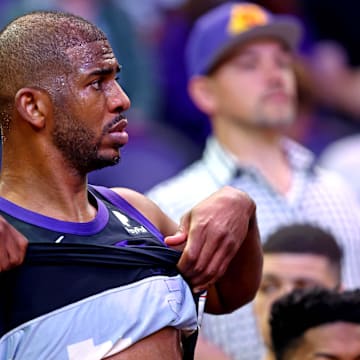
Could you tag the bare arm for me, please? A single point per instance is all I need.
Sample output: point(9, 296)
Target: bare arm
point(223, 251)
point(221, 246)
point(206, 350)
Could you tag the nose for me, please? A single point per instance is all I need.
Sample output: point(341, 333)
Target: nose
point(286, 289)
point(118, 100)
point(274, 75)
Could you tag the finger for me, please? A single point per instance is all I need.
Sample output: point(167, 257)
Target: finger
point(4, 256)
point(4, 260)
point(216, 251)
point(198, 252)
point(212, 273)
point(185, 226)
point(16, 245)
point(192, 248)
point(177, 239)
point(205, 268)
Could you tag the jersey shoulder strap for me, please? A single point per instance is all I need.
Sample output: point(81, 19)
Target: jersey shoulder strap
point(115, 199)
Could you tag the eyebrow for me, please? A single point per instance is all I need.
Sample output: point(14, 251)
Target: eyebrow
point(106, 71)
point(326, 356)
point(271, 276)
point(255, 52)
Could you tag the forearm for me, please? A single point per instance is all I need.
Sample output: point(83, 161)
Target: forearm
point(206, 350)
point(240, 282)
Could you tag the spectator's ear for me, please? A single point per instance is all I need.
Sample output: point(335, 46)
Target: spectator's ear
point(33, 106)
point(200, 91)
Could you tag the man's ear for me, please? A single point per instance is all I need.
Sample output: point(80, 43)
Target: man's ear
point(33, 105)
point(200, 91)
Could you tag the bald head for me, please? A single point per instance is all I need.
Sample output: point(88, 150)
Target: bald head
point(33, 52)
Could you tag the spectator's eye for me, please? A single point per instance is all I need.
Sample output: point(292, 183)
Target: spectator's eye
point(245, 63)
point(305, 283)
point(285, 62)
point(269, 287)
point(96, 84)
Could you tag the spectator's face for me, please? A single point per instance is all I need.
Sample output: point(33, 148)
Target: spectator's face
point(255, 86)
point(284, 272)
point(336, 341)
point(87, 128)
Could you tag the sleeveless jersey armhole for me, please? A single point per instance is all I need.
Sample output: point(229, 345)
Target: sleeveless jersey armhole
point(124, 205)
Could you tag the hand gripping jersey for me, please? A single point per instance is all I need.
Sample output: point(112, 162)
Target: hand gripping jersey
point(90, 290)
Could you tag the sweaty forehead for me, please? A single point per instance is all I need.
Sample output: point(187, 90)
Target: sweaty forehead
point(91, 54)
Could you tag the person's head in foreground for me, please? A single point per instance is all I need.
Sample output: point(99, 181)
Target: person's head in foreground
point(317, 324)
point(295, 256)
point(58, 80)
point(240, 66)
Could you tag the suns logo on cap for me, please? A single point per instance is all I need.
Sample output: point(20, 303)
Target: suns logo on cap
point(245, 16)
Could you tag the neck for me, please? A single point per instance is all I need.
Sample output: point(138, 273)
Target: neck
point(250, 146)
point(260, 149)
point(46, 187)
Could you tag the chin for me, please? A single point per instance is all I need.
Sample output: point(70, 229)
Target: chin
point(279, 117)
point(110, 162)
point(101, 163)
point(280, 123)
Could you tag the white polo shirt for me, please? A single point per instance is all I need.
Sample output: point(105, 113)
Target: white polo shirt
point(316, 196)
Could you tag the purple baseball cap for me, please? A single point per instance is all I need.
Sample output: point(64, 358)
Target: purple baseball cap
point(231, 24)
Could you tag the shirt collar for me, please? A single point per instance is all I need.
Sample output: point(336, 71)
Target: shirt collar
point(220, 163)
point(223, 165)
point(299, 157)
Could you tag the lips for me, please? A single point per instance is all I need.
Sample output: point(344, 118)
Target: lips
point(119, 126)
point(115, 134)
point(278, 96)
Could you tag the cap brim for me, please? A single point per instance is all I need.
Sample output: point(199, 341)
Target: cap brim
point(286, 30)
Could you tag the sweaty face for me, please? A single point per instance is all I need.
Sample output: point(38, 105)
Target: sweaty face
point(255, 86)
point(283, 273)
point(337, 341)
point(89, 127)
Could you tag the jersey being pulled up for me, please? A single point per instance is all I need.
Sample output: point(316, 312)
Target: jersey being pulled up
point(90, 290)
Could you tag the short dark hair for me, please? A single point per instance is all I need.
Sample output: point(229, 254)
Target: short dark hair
point(305, 239)
point(303, 309)
point(33, 50)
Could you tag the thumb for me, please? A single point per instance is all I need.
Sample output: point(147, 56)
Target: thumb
point(180, 237)
point(176, 240)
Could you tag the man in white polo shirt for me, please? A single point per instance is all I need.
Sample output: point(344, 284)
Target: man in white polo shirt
point(240, 65)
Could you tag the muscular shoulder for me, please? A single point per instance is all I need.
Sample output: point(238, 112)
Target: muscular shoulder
point(149, 209)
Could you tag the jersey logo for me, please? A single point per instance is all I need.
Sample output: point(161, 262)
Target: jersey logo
point(132, 230)
point(59, 239)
